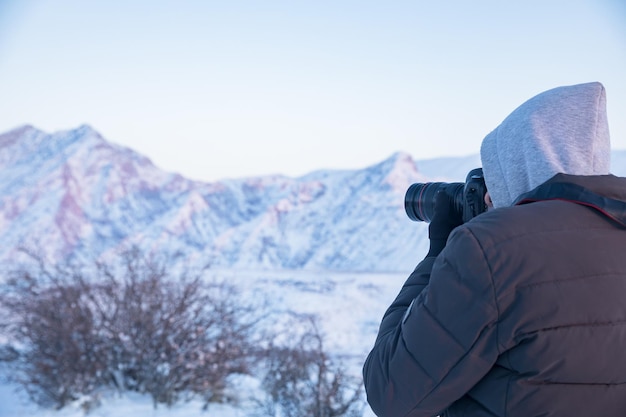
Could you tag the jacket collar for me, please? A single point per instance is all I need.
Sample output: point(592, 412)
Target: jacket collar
point(604, 193)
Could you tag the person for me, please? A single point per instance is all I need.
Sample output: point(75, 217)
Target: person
point(520, 311)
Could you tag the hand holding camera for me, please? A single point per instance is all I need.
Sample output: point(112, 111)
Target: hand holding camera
point(446, 206)
point(445, 219)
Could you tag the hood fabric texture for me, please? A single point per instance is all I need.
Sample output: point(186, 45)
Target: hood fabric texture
point(563, 130)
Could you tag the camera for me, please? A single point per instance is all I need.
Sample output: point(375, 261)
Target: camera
point(468, 198)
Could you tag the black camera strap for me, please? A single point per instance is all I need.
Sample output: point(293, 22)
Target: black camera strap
point(559, 188)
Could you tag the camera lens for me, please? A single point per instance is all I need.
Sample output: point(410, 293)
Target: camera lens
point(419, 201)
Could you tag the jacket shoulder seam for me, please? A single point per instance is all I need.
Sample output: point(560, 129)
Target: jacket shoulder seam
point(493, 286)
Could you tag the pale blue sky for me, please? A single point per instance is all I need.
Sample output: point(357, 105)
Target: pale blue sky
point(216, 89)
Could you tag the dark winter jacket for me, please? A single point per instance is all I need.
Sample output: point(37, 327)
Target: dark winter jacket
point(524, 313)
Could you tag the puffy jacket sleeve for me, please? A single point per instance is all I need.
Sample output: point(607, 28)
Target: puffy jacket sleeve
point(438, 338)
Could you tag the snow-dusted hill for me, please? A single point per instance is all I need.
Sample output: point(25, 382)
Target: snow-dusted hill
point(73, 194)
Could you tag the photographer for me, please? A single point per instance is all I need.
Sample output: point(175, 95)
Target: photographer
point(520, 311)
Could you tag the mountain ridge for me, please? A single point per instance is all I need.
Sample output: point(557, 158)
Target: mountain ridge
point(72, 194)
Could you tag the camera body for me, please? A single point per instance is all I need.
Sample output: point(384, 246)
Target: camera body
point(468, 198)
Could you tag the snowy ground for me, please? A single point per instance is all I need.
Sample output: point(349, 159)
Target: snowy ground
point(349, 305)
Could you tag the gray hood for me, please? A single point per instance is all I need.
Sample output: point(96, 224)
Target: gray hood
point(563, 130)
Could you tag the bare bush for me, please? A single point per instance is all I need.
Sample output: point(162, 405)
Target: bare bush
point(127, 325)
point(47, 318)
point(133, 325)
point(303, 380)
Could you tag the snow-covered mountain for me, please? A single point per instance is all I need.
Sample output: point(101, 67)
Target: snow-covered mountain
point(74, 194)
